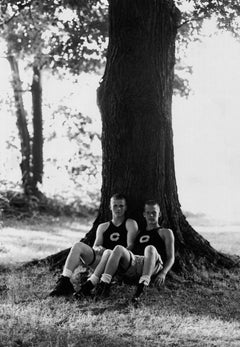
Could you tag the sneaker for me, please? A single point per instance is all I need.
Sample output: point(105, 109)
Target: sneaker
point(102, 290)
point(63, 287)
point(136, 297)
point(84, 291)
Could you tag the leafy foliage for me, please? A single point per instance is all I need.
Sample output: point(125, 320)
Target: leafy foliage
point(83, 165)
point(225, 11)
point(193, 14)
point(81, 43)
point(60, 35)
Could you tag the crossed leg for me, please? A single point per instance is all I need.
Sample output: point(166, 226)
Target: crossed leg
point(79, 252)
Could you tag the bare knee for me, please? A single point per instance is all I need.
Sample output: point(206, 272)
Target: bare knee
point(150, 251)
point(118, 250)
point(77, 246)
point(107, 253)
point(82, 250)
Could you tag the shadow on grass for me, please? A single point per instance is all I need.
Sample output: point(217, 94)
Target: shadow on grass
point(191, 313)
point(74, 338)
point(216, 296)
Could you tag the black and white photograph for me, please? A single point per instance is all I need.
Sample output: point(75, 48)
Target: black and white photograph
point(119, 173)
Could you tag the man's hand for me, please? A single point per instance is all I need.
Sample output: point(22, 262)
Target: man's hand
point(98, 248)
point(160, 279)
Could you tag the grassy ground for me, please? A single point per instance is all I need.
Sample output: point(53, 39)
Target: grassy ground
point(201, 313)
point(22, 241)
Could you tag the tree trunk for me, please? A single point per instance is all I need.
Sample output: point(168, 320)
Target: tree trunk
point(135, 99)
point(37, 143)
point(21, 123)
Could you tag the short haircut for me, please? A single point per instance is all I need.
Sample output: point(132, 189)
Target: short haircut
point(152, 203)
point(119, 196)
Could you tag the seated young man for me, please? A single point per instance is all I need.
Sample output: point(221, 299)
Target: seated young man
point(152, 254)
point(118, 231)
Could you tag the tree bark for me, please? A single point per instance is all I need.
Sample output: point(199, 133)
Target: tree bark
point(21, 122)
point(37, 143)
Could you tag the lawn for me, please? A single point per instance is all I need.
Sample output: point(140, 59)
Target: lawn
point(204, 313)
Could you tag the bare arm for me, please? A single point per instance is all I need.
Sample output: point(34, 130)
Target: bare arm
point(168, 237)
point(132, 228)
point(99, 234)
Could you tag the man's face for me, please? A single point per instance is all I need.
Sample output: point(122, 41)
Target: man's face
point(151, 214)
point(118, 207)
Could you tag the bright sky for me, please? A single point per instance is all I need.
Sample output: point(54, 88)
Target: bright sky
point(206, 126)
point(206, 129)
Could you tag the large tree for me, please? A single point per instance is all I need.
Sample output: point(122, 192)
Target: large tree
point(135, 99)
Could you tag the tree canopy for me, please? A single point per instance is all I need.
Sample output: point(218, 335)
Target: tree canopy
point(59, 36)
point(73, 35)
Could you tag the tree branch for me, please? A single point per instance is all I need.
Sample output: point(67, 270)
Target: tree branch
point(191, 20)
point(20, 8)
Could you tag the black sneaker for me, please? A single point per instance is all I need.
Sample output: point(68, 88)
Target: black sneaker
point(63, 287)
point(136, 297)
point(102, 290)
point(84, 291)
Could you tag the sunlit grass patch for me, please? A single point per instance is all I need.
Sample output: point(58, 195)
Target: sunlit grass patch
point(21, 242)
point(60, 323)
point(224, 239)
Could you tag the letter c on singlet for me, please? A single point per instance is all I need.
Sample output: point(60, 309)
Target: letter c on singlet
point(115, 237)
point(144, 238)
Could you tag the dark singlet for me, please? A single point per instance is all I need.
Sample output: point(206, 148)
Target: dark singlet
point(150, 237)
point(115, 235)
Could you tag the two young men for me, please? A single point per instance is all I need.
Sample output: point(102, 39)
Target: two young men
point(118, 231)
point(152, 255)
point(135, 256)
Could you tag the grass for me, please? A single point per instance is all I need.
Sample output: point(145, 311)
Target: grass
point(22, 241)
point(203, 313)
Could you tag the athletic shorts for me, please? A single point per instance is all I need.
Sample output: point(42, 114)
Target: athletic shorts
point(97, 255)
point(134, 272)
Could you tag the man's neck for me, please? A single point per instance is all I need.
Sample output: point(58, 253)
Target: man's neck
point(152, 226)
point(117, 220)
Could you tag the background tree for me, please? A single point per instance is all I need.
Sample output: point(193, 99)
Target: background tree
point(21, 119)
point(49, 35)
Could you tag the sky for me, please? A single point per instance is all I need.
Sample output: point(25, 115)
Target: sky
point(206, 131)
point(206, 126)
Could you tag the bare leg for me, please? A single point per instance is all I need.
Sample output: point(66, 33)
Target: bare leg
point(150, 259)
point(120, 255)
point(87, 287)
point(79, 251)
point(102, 264)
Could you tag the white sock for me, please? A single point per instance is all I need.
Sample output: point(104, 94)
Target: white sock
point(94, 279)
point(67, 273)
point(106, 278)
point(145, 279)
